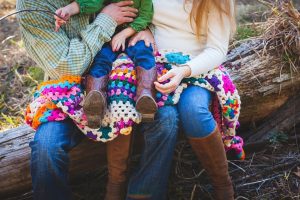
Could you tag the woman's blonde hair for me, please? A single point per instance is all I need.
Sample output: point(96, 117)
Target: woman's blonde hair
point(200, 10)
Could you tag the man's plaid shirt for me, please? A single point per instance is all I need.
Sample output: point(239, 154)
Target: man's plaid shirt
point(62, 53)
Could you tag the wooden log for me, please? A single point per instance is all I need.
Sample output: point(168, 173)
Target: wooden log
point(264, 85)
point(283, 120)
point(263, 81)
point(15, 155)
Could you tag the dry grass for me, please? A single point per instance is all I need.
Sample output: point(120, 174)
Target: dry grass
point(17, 72)
point(269, 174)
point(16, 86)
point(282, 32)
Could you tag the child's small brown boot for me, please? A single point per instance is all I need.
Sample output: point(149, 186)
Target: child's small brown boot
point(145, 94)
point(95, 101)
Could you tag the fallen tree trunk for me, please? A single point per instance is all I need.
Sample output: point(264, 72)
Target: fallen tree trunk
point(284, 120)
point(258, 79)
point(264, 82)
point(15, 154)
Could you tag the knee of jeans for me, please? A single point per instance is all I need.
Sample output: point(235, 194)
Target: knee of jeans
point(104, 58)
point(197, 121)
point(141, 45)
point(45, 145)
point(167, 117)
point(105, 51)
point(45, 150)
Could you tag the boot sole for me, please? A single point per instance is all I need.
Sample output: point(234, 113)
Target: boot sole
point(147, 106)
point(93, 108)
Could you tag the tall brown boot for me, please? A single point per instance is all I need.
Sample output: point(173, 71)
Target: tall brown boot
point(95, 101)
point(118, 152)
point(146, 104)
point(210, 152)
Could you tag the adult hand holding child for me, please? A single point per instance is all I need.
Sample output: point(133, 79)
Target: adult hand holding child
point(121, 12)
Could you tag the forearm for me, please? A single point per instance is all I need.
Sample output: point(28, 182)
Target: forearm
point(89, 6)
point(55, 52)
point(79, 54)
point(128, 32)
point(207, 60)
point(73, 8)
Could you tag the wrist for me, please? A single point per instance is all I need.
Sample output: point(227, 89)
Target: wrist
point(186, 70)
point(129, 32)
point(73, 8)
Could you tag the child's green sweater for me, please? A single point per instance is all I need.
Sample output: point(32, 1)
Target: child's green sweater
point(143, 19)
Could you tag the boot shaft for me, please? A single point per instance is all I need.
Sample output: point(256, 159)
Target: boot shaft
point(145, 81)
point(210, 152)
point(145, 95)
point(98, 84)
point(118, 152)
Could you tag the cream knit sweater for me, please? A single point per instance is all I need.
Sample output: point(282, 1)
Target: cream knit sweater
point(173, 31)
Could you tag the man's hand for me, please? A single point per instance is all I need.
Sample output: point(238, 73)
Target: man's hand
point(121, 12)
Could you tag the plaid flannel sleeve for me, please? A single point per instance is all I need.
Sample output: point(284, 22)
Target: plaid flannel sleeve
point(55, 52)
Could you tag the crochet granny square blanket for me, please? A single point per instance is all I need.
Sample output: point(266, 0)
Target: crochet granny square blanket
point(57, 100)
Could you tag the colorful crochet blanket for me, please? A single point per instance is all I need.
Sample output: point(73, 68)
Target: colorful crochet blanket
point(57, 100)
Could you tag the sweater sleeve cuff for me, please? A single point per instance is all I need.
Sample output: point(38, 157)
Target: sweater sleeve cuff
point(193, 67)
point(107, 23)
point(82, 6)
point(137, 28)
point(197, 68)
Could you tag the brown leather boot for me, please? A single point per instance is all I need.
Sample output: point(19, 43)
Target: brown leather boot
point(118, 152)
point(145, 93)
point(95, 101)
point(210, 152)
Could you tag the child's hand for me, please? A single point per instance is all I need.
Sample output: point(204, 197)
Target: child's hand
point(118, 41)
point(64, 14)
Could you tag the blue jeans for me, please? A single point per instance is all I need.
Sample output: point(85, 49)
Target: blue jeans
point(50, 160)
point(54, 140)
point(140, 54)
point(150, 180)
point(193, 108)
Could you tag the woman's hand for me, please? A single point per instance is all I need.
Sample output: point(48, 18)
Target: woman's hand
point(175, 75)
point(146, 36)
